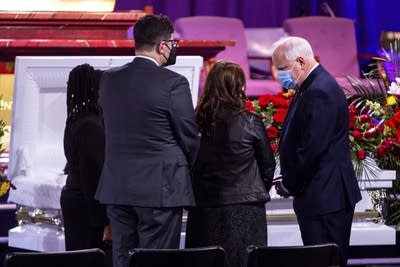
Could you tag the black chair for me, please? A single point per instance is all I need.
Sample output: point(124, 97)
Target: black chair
point(213, 256)
point(76, 258)
point(300, 256)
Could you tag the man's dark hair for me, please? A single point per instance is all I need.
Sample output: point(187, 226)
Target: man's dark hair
point(151, 30)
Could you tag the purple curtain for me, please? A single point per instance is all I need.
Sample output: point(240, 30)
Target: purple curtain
point(254, 13)
point(371, 16)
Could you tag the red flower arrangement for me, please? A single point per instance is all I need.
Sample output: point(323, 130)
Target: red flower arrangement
point(375, 130)
point(272, 109)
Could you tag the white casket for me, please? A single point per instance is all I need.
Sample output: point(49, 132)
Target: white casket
point(36, 148)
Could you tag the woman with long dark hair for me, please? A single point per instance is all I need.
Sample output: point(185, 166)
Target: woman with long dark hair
point(85, 220)
point(233, 171)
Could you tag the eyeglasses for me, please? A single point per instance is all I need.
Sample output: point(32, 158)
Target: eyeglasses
point(174, 42)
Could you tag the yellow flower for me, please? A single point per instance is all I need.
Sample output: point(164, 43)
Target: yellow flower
point(289, 93)
point(4, 187)
point(391, 100)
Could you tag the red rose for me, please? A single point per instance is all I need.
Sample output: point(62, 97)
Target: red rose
point(382, 151)
point(264, 100)
point(272, 132)
point(390, 124)
point(250, 106)
point(274, 148)
point(356, 134)
point(370, 133)
point(388, 142)
point(279, 116)
point(364, 118)
point(279, 102)
point(361, 154)
point(352, 116)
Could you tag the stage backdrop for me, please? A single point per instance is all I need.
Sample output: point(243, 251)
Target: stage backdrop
point(371, 16)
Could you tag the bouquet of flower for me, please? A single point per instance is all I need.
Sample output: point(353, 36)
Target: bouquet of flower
point(374, 125)
point(388, 70)
point(272, 109)
point(375, 129)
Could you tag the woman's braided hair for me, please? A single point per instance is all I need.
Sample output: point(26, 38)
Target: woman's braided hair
point(82, 91)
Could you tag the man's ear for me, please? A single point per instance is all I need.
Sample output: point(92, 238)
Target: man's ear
point(160, 47)
point(301, 61)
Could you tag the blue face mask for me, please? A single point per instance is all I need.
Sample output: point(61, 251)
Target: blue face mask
point(285, 78)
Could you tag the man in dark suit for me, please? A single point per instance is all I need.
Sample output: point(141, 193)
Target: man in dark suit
point(315, 160)
point(151, 143)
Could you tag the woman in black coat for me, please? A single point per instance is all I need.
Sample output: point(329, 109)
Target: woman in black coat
point(85, 220)
point(233, 171)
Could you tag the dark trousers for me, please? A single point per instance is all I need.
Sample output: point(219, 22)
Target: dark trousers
point(332, 227)
point(80, 233)
point(139, 227)
point(80, 230)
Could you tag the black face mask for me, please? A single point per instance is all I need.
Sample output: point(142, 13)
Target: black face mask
point(172, 57)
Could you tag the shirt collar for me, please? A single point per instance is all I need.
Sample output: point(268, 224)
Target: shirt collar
point(313, 68)
point(149, 58)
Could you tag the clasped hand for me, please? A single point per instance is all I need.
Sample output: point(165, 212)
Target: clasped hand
point(279, 188)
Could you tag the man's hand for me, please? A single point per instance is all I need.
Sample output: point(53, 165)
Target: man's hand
point(107, 237)
point(279, 188)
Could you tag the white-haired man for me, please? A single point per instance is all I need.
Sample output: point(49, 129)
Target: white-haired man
point(315, 160)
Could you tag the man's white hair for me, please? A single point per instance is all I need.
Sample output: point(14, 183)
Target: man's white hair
point(294, 47)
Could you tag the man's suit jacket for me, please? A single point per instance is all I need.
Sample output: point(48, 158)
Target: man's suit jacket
point(314, 152)
point(151, 136)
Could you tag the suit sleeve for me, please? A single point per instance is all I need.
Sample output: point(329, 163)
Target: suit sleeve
point(263, 153)
point(91, 158)
point(317, 130)
point(183, 119)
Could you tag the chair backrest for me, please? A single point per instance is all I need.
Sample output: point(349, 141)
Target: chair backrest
point(76, 258)
point(260, 40)
point(299, 256)
point(217, 28)
point(213, 256)
point(333, 40)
